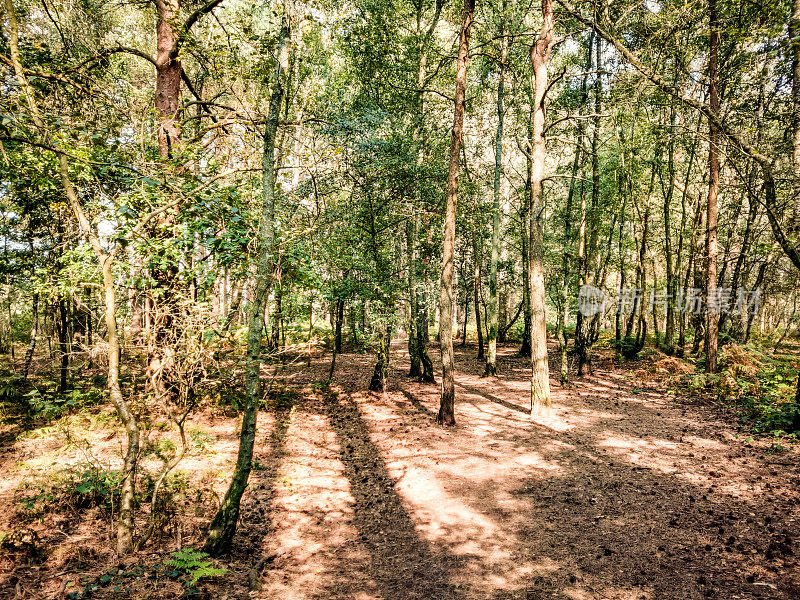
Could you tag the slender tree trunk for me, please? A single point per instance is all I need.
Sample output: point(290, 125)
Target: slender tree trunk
point(223, 527)
point(446, 414)
point(682, 309)
point(587, 327)
point(566, 264)
point(34, 331)
point(125, 522)
point(715, 139)
point(310, 326)
point(465, 312)
point(752, 214)
point(380, 373)
point(621, 181)
point(641, 327)
point(762, 270)
point(63, 346)
point(476, 295)
point(337, 340)
point(697, 273)
point(668, 343)
point(794, 40)
point(422, 332)
point(421, 363)
point(415, 359)
point(492, 325)
point(540, 374)
point(525, 347)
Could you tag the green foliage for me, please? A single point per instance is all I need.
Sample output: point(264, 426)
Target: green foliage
point(204, 442)
point(76, 488)
point(193, 564)
point(44, 404)
point(761, 385)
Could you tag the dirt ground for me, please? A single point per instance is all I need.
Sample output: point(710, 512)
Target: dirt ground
point(625, 492)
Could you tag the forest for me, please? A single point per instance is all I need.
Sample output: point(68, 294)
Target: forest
point(400, 299)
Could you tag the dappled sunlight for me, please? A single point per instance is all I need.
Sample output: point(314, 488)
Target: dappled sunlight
point(607, 593)
point(312, 513)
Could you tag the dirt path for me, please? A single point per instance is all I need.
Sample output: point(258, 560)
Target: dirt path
point(623, 493)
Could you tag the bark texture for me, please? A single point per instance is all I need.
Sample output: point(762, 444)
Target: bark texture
point(223, 527)
point(540, 374)
point(446, 414)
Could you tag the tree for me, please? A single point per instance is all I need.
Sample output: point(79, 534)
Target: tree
point(446, 414)
point(714, 141)
point(540, 373)
point(125, 521)
point(223, 527)
point(492, 316)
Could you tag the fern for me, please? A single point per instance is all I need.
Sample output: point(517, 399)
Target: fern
point(193, 563)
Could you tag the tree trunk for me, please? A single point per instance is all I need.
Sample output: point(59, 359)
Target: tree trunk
point(621, 180)
point(794, 40)
point(668, 342)
point(492, 317)
point(310, 326)
point(446, 414)
point(502, 318)
point(476, 295)
point(168, 76)
point(586, 328)
point(421, 364)
point(63, 346)
point(34, 330)
point(380, 373)
point(715, 139)
point(337, 340)
point(540, 374)
point(223, 527)
point(465, 312)
point(566, 266)
point(525, 347)
point(415, 360)
point(680, 350)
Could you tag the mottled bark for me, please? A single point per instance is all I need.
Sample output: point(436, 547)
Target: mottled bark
point(446, 414)
point(168, 75)
point(34, 332)
point(715, 139)
point(492, 304)
point(476, 295)
point(540, 374)
point(794, 39)
point(223, 527)
point(381, 371)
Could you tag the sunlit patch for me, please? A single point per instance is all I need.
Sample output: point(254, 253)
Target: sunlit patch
point(607, 593)
point(654, 454)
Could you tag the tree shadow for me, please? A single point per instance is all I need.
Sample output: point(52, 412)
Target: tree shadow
point(257, 549)
point(493, 398)
point(402, 564)
point(416, 403)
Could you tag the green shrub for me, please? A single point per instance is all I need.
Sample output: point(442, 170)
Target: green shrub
point(193, 564)
point(76, 488)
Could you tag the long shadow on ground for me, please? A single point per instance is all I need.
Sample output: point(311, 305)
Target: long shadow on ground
point(254, 549)
point(403, 565)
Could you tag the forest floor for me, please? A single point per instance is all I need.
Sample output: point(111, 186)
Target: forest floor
point(625, 492)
